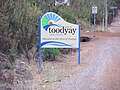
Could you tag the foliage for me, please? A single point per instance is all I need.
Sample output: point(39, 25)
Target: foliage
point(50, 53)
point(19, 21)
point(20, 18)
point(67, 14)
point(9, 66)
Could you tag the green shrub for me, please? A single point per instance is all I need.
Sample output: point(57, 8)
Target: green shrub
point(8, 66)
point(67, 14)
point(50, 53)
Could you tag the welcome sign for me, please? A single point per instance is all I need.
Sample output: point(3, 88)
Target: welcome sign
point(55, 32)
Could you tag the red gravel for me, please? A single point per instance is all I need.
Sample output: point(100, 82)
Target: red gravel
point(100, 62)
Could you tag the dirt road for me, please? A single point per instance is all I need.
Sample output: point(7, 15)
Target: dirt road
point(100, 63)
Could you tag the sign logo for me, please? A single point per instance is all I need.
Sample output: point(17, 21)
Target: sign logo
point(50, 20)
point(53, 24)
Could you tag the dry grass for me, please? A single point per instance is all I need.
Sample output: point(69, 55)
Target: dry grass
point(55, 72)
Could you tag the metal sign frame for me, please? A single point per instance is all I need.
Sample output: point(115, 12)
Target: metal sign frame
point(40, 42)
point(113, 10)
point(94, 12)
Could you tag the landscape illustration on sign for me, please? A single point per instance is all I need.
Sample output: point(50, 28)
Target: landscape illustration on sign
point(49, 20)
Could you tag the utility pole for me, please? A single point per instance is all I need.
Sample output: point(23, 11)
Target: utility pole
point(106, 13)
point(103, 16)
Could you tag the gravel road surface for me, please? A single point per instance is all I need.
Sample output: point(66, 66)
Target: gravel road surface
point(100, 69)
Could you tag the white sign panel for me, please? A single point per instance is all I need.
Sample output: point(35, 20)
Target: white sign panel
point(94, 10)
point(57, 33)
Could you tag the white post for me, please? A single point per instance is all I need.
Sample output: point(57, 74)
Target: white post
point(103, 24)
point(103, 20)
point(94, 21)
point(113, 14)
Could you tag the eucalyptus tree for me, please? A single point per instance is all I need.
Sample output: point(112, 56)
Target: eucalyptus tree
point(19, 24)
